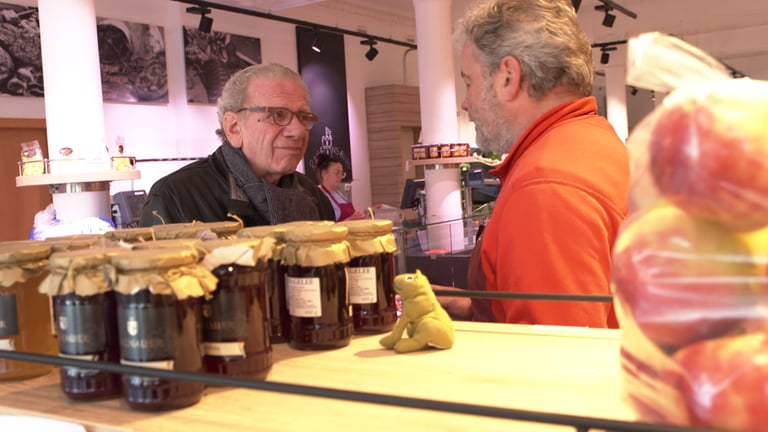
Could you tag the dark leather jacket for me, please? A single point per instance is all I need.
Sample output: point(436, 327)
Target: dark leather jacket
point(203, 191)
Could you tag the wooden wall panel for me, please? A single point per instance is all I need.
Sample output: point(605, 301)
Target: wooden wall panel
point(20, 204)
point(394, 120)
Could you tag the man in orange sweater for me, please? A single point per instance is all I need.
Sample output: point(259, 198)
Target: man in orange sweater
point(527, 66)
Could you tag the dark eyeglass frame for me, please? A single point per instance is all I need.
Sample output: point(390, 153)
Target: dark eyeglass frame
point(307, 118)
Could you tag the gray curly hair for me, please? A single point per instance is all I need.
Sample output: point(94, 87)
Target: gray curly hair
point(234, 90)
point(543, 35)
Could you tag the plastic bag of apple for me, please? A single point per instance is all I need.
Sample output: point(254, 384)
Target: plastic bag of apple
point(690, 265)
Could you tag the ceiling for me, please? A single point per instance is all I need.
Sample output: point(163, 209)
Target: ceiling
point(685, 18)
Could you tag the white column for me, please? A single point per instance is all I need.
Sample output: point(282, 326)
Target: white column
point(439, 124)
point(616, 99)
point(74, 111)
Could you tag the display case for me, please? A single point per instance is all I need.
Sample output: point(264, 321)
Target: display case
point(431, 248)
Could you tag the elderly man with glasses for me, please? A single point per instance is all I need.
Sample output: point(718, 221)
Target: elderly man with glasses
point(265, 118)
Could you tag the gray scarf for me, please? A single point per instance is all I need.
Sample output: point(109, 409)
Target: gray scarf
point(285, 202)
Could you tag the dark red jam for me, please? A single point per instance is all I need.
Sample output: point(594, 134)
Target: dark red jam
point(318, 305)
point(279, 320)
point(372, 293)
point(235, 323)
point(163, 332)
point(86, 327)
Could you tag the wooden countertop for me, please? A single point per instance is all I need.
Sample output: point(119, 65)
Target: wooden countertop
point(560, 370)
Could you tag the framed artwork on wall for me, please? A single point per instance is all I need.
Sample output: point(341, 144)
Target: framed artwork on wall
point(210, 59)
point(132, 61)
point(21, 61)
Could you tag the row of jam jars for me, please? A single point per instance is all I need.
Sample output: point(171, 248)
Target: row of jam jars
point(316, 257)
point(159, 294)
point(25, 314)
point(80, 283)
point(372, 275)
point(236, 338)
point(277, 311)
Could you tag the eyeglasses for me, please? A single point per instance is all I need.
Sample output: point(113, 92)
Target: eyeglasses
point(283, 116)
point(339, 172)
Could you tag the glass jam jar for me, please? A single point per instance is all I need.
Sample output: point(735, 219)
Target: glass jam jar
point(159, 323)
point(80, 283)
point(25, 314)
point(372, 274)
point(235, 319)
point(316, 257)
point(277, 311)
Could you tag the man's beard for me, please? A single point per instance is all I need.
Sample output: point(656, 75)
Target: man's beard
point(491, 131)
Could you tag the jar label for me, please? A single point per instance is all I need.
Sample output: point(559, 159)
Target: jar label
point(224, 349)
point(147, 334)
point(9, 324)
point(80, 328)
point(303, 297)
point(86, 357)
point(224, 317)
point(362, 285)
point(160, 364)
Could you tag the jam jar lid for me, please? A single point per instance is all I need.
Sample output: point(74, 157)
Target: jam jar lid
point(84, 272)
point(367, 227)
point(246, 252)
point(315, 246)
point(77, 241)
point(261, 231)
point(165, 271)
point(200, 230)
point(155, 258)
point(131, 235)
point(369, 237)
point(22, 260)
point(167, 244)
point(224, 229)
point(315, 233)
point(25, 251)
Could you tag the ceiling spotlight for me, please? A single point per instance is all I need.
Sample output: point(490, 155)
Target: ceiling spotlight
point(576, 4)
point(317, 42)
point(206, 22)
point(605, 54)
point(372, 51)
point(633, 91)
point(609, 19)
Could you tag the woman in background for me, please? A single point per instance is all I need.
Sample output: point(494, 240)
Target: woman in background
point(330, 173)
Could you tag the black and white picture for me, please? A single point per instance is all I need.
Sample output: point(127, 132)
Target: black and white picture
point(21, 70)
point(132, 59)
point(212, 58)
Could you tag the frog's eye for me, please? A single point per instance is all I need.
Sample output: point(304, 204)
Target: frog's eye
point(409, 278)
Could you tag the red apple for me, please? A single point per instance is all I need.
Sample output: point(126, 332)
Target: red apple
point(724, 382)
point(708, 152)
point(680, 279)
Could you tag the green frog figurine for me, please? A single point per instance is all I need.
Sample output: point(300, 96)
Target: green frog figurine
point(427, 323)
